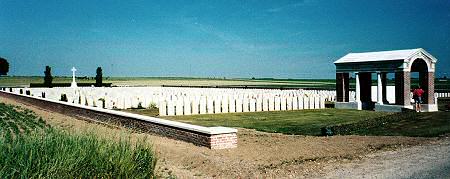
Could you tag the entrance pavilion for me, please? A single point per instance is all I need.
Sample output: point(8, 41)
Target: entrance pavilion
point(400, 62)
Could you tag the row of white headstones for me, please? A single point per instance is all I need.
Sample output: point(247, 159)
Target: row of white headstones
point(188, 101)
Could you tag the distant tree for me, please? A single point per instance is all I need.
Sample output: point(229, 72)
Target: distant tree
point(48, 78)
point(4, 66)
point(99, 77)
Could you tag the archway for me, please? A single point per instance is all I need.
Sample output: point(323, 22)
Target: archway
point(420, 76)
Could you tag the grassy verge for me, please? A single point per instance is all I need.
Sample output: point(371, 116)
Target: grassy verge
point(402, 124)
point(45, 152)
point(303, 122)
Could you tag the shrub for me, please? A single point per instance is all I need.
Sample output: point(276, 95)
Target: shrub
point(152, 106)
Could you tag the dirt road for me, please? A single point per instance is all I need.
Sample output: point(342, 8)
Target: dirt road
point(428, 161)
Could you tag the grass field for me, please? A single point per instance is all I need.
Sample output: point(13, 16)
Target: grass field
point(29, 148)
point(303, 122)
point(310, 122)
point(177, 81)
point(328, 84)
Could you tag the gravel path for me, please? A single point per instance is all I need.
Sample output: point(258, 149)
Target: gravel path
point(428, 161)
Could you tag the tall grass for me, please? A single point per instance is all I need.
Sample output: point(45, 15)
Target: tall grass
point(54, 153)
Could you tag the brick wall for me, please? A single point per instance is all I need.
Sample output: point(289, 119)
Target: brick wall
point(402, 88)
point(342, 87)
point(213, 141)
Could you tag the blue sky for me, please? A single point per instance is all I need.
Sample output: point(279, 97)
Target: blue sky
point(253, 38)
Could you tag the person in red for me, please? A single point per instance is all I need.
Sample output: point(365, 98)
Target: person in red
point(417, 95)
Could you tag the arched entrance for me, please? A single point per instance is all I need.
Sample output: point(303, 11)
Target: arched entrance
point(425, 79)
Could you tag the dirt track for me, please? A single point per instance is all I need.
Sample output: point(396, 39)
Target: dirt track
point(429, 161)
point(258, 154)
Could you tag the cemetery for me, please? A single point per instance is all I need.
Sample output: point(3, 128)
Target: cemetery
point(270, 125)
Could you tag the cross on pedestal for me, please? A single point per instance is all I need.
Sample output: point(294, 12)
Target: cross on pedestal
point(74, 84)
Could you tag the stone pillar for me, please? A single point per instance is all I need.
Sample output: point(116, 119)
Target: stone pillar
point(342, 87)
point(383, 87)
point(358, 88)
point(379, 89)
point(402, 88)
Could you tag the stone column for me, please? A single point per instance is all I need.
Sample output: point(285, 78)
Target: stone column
point(384, 87)
point(358, 88)
point(402, 88)
point(379, 89)
point(342, 87)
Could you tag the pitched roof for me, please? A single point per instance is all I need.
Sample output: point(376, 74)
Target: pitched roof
point(382, 56)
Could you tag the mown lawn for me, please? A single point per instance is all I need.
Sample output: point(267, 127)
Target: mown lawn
point(302, 122)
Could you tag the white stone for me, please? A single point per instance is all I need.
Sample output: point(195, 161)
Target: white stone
point(295, 103)
point(179, 109)
point(187, 106)
point(210, 106)
point(252, 104)
point(203, 105)
point(306, 103)
point(218, 105)
point(225, 104)
point(277, 103)
point(283, 103)
point(170, 108)
point(238, 105)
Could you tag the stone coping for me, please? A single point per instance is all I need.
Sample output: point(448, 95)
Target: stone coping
point(175, 124)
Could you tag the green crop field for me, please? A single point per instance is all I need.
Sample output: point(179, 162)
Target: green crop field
point(177, 81)
point(327, 84)
point(29, 148)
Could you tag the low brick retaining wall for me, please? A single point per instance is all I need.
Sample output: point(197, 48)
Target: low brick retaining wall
point(211, 137)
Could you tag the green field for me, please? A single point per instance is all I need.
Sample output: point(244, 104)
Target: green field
point(178, 81)
point(304, 122)
point(310, 122)
point(329, 84)
point(29, 148)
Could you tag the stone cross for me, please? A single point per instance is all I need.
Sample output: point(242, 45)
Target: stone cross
point(74, 84)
